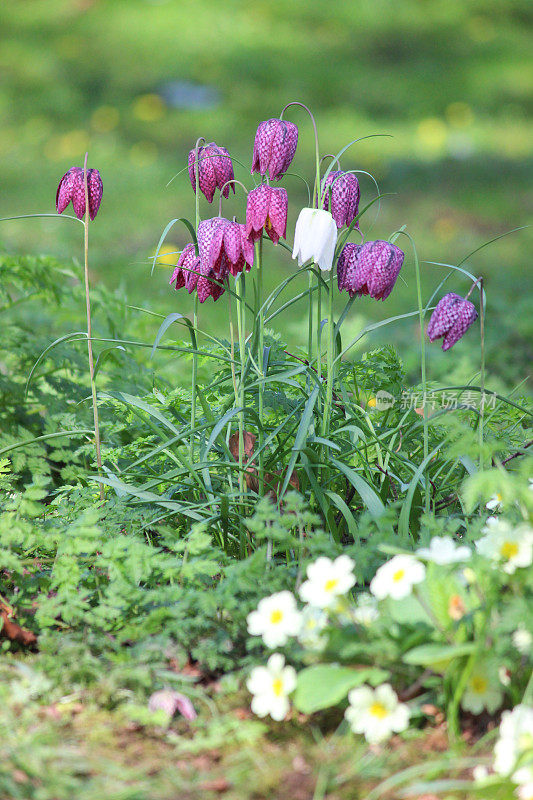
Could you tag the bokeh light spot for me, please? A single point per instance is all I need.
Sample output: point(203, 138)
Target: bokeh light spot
point(149, 108)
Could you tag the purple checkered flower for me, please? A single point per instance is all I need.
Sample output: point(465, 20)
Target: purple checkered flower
point(230, 250)
point(209, 284)
point(186, 272)
point(72, 188)
point(451, 319)
point(266, 208)
point(274, 148)
point(345, 195)
point(216, 169)
point(370, 268)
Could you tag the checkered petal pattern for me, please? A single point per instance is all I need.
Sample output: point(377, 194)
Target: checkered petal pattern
point(266, 209)
point(215, 170)
point(345, 194)
point(451, 319)
point(274, 147)
point(186, 271)
point(72, 188)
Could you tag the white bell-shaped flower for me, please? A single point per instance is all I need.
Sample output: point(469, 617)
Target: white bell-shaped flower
point(315, 238)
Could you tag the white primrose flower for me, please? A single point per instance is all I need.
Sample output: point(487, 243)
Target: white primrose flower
point(443, 550)
point(480, 773)
point(515, 740)
point(366, 610)
point(376, 713)
point(276, 619)
point(315, 238)
point(523, 641)
point(524, 778)
point(314, 620)
point(495, 503)
point(271, 686)
point(513, 547)
point(327, 580)
point(483, 690)
point(397, 577)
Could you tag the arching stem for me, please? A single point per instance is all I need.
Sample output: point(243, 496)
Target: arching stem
point(89, 327)
point(479, 282)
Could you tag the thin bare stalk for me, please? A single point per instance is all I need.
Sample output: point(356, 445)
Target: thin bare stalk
point(89, 328)
point(260, 359)
point(194, 376)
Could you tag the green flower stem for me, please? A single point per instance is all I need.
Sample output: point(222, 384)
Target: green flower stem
point(330, 365)
point(240, 289)
point(421, 315)
point(260, 360)
point(482, 376)
point(194, 376)
point(89, 330)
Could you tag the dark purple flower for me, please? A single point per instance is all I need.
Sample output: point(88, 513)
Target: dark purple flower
point(451, 319)
point(344, 197)
point(266, 208)
point(274, 147)
point(186, 272)
point(370, 268)
point(72, 188)
point(216, 169)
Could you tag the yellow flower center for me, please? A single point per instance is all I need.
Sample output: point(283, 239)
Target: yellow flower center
point(499, 498)
point(378, 710)
point(277, 687)
point(398, 575)
point(276, 617)
point(479, 684)
point(331, 584)
point(509, 550)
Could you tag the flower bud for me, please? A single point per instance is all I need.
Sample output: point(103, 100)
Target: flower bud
point(370, 268)
point(451, 319)
point(215, 170)
point(274, 148)
point(72, 188)
point(315, 238)
point(266, 208)
point(345, 195)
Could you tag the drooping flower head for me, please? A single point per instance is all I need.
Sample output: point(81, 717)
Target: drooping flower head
point(186, 271)
point(274, 148)
point(215, 170)
point(370, 268)
point(315, 238)
point(451, 319)
point(208, 284)
point(230, 250)
point(345, 196)
point(72, 188)
point(266, 208)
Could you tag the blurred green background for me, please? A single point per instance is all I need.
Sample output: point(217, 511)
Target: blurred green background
point(137, 81)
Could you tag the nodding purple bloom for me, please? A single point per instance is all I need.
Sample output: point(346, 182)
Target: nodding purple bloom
point(370, 268)
point(187, 268)
point(451, 319)
point(216, 169)
point(274, 147)
point(345, 195)
point(266, 208)
point(208, 284)
point(72, 188)
point(230, 250)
